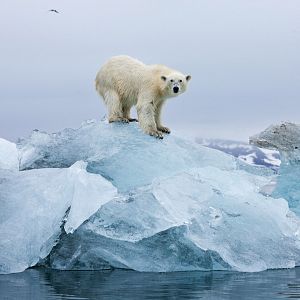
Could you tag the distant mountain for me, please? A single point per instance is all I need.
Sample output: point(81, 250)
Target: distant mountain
point(248, 153)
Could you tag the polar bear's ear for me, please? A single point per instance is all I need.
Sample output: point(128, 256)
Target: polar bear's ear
point(164, 78)
point(188, 77)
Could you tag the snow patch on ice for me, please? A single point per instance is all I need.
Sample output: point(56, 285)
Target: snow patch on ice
point(8, 155)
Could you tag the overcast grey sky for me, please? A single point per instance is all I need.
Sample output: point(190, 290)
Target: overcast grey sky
point(244, 58)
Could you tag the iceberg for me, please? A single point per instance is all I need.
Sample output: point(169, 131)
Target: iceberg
point(107, 196)
point(284, 137)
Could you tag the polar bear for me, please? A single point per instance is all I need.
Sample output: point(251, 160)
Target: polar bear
point(124, 82)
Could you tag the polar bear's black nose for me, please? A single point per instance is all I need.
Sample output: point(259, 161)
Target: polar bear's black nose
point(175, 89)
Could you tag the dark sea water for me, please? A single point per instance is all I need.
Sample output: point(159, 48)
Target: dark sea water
point(50, 284)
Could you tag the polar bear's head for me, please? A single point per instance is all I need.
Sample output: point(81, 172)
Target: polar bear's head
point(174, 84)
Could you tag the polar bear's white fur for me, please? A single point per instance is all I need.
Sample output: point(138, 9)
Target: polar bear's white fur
point(124, 81)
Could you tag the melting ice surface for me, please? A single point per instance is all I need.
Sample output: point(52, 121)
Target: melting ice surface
point(135, 202)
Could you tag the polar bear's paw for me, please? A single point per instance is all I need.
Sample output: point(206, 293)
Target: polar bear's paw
point(118, 119)
point(133, 120)
point(164, 129)
point(156, 134)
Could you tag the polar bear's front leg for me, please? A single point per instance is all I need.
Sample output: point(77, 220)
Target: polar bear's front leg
point(146, 118)
point(158, 119)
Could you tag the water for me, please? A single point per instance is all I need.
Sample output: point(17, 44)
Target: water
point(118, 284)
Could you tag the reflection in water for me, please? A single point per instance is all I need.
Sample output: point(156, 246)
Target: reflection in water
point(119, 284)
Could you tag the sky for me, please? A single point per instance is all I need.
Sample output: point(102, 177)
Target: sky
point(243, 55)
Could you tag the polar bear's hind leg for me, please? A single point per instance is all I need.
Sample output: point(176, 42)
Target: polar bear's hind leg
point(126, 113)
point(115, 111)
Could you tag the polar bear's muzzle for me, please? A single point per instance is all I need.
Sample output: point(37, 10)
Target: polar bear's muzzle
point(175, 89)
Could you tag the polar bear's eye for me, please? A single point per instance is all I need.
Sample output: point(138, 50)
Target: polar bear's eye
point(180, 80)
point(172, 80)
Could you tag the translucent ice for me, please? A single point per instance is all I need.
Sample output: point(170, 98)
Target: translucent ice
point(36, 203)
point(285, 138)
point(200, 219)
point(122, 153)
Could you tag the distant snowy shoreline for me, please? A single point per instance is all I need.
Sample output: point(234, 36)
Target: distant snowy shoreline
point(248, 153)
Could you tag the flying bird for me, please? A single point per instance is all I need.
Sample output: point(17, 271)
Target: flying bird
point(54, 10)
